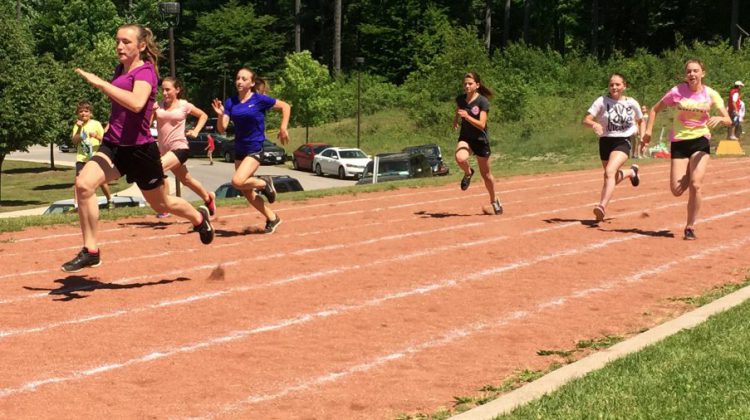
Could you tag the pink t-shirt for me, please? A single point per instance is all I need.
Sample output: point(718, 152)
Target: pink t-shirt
point(691, 119)
point(128, 128)
point(170, 125)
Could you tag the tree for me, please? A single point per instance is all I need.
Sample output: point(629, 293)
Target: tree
point(22, 96)
point(337, 39)
point(307, 86)
point(231, 36)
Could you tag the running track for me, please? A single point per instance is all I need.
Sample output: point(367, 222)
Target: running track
point(365, 306)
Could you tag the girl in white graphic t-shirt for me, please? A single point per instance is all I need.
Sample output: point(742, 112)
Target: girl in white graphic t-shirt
point(615, 118)
point(170, 115)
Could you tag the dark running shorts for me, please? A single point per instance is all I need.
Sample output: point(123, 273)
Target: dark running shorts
point(683, 149)
point(479, 147)
point(140, 164)
point(182, 155)
point(607, 145)
point(240, 156)
point(79, 167)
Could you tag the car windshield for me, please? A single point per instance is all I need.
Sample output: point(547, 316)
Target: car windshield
point(318, 149)
point(399, 167)
point(352, 154)
point(427, 151)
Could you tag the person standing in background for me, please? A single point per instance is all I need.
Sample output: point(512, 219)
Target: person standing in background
point(733, 106)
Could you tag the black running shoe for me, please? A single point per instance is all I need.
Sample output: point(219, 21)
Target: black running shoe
point(82, 260)
point(689, 234)
point(466, 180)
point(635, 179)
point(497, 207)
point(205, 229)
point(271, 224)
point(269, 191)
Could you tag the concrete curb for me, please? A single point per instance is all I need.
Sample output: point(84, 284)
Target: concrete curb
point(554, 380)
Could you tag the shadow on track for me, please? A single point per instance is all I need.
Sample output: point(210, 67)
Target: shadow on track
point(425, 214)
point(71, 286)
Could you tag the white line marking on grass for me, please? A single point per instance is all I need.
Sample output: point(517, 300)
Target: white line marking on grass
point(341, 309)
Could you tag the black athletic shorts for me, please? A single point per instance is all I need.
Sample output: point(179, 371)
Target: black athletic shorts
point(480, 148)
point(79, 167)
point(239, 156)
point(140, 164)
point(608, 145)
point(182, 155)
point(683, 149)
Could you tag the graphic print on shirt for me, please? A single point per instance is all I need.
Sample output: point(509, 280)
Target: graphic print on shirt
point(620, 117)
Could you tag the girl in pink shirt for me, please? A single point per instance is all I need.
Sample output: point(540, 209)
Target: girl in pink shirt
point(170, 115)
point(690, 146)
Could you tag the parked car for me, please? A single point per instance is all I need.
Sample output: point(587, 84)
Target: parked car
point(302, 158)
point(282, 183)
point(66, 147)
point(67, 206)
point(341, 161)
point(433, 155)
point(210, 127)
point(397, 166)
point(272, 154)
point(197, 145)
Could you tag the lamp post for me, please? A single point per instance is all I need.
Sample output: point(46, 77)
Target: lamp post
point(170, 12)
point(359, 61)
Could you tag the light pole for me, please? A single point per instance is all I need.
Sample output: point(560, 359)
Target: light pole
point(170, 12)
point(359, 61)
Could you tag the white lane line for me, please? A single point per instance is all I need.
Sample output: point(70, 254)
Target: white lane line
point(467, 331)
point(303, 251)
point(333, 311)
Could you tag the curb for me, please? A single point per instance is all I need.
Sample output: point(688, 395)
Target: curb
point(556, 379)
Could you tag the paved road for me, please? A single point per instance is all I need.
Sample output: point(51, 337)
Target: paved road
point(210, 176)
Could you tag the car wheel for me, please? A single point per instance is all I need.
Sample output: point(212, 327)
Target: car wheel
point(342, 173)
point(228, 157)
point(295, 165)
point(318, 171)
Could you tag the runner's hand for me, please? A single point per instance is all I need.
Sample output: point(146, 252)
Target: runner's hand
point(91, 78)
point(218, 107)
point(283, 136)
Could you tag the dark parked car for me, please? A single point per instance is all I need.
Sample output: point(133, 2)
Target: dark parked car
point(302, 158)
point(210, 127)
point(397, 166)
point(282, 183)
point(433, 155)
point(271, 154)
point(198, 144)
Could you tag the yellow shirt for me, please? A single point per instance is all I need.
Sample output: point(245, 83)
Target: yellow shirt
point(89, 144)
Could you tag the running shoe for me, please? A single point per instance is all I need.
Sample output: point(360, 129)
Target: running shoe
point(599, 213)
point(497, 207)
point(162, 215)
point(466, 180)
point(211, 203)
point(205, 229)
point(272, 224)
point(269, 190)
point(635, 179)
point(82, 260)
point(689, 234)
point(110, 205)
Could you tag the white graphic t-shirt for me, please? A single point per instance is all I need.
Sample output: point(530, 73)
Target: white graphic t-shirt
point(617, 118)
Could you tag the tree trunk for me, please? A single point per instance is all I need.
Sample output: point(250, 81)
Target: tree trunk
point(526, 19)
point(52, 156)
point(487, 25)
point(506, 23)
point(297, 28)
point(2, 158)
point(735, 33)
point(337, 39)
point(595, 28)
point(18, 9)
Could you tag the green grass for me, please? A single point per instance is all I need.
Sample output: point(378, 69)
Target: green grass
point(27, 185)
point(703, 373)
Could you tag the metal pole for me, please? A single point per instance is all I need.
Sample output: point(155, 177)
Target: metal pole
point(359, 89)
point(177, 188)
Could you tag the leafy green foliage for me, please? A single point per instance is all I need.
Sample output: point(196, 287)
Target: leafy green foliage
point(307, 86)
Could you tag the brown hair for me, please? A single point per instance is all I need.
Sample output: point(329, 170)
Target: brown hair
point(151, 52)
point(483, 90)
point(177, 84)
point(83, 105)
point(624, 81)
point(260, 86)
point(698, 62)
